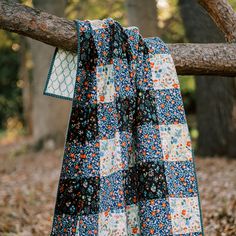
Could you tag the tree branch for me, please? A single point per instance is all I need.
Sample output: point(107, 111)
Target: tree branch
point(194, 59)
point(223, 15)
point(204, 59)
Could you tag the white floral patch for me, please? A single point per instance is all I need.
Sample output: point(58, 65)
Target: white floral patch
point(133, 219)
point(97, 24)
point(164, 74)
point(185, 215)
point(112, 224)
point(176, 143)
point(105, 84)
point(110, 156)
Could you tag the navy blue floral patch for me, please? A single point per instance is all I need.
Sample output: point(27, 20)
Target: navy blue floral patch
point(155, 217)
point(64, 225)
point(170, 107)
point(108, 120)
point(82, 161)
point(148, 143)
point(111, 192)
point(181, 179)
point(87, 225)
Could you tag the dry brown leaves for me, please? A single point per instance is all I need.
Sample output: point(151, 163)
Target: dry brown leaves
point(28, 183)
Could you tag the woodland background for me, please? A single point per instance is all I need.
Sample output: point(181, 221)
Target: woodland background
point(33, 126)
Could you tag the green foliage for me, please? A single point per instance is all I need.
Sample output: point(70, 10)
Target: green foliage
point(10, 93)
point(96, 9)
point(233, 4)
point(170, 22)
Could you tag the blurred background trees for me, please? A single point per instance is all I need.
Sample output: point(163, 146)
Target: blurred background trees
point(49, 116)
point(209, 102)
point(215, 95)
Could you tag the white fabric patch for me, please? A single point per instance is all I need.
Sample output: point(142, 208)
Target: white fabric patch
point(185, 215)
point(176, 143)
point(112, 223)
point(164, 74)
point(110, 156)
point(105, 83)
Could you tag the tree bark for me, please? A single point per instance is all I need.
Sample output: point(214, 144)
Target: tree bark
point(216, 96)
point(223, 15)
point(49, 115)
point(144, 15)
point(59, 32)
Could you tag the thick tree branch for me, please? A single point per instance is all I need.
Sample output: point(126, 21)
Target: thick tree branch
point(223, 15)
point(207, 59)
point(195, 59)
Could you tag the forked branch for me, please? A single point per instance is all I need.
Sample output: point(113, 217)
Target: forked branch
point(223, 15)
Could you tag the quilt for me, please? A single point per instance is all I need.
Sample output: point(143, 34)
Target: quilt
point(128, 166)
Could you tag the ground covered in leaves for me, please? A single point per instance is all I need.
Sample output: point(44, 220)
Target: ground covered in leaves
point(28, 184)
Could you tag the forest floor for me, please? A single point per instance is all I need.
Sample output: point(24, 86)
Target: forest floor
point(28, 185)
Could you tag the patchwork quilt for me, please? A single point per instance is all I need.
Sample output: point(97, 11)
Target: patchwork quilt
point(128, 166)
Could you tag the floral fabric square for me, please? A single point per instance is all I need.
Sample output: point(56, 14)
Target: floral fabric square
point(112, 223)
point(87, 225)
point(185, 215)
point(78, 196)
point(125, 108)
point(83, 127)
point(148, 147)
point(110, 156)
point(81, 162)
point(133, 220)
point(131, 185)
point(111, 193)
point(107, 120)
point(152, 180)
point(155, 217)
point(163, 72)
point(170, 107)
point(176, 143)
point(64, 225)
point(105, 83)
point(124, 83)
point(127, 142)
point(146, 111)
point(181, 180)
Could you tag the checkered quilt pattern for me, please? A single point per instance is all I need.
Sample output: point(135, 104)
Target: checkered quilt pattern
point(128, 166)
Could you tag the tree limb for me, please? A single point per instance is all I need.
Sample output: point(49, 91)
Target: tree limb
point(207, 59)
point(194, 59)
point(223, 15)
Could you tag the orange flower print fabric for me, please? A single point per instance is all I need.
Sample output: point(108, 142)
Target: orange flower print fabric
point(128, 167)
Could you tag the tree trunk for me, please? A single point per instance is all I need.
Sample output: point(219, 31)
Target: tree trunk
point(144, 15)
point(216, 96)
point(50, 115)
point(25, 76)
